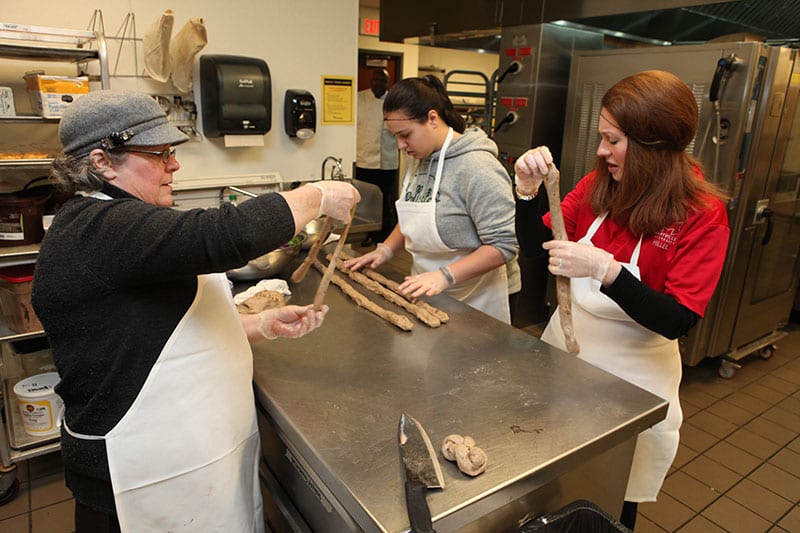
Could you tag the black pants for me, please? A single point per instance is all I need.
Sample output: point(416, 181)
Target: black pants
point(628, 516)
point(88, 520)
point(386, 181)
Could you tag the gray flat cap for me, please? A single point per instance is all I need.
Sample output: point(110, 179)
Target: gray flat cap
point(105, 119)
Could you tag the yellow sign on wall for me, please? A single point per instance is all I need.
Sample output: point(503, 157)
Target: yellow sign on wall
point(338, 99)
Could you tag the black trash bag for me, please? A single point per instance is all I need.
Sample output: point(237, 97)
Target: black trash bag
point(580, 516)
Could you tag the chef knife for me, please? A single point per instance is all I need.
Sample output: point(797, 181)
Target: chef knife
point(422, 472)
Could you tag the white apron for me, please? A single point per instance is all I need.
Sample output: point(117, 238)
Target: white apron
point(611, 340)
point(417, 220)
point(185, 455)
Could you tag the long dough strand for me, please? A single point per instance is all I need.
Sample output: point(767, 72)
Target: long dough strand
point(396, 319)
point(377, 288)
point(393, 285)
point(563, 293)
point(319, 297)
point(300, 272)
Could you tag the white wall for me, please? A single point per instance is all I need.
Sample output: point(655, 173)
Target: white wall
point(301, 41)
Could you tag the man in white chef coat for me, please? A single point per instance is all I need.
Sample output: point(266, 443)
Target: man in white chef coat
point(377, 155)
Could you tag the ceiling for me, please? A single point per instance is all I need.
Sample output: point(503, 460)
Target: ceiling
point(775, 21)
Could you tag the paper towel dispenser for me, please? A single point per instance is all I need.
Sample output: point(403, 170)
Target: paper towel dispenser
point(236, 95)
point(299, 114)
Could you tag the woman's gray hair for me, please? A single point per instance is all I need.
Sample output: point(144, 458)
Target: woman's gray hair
point(76, 173)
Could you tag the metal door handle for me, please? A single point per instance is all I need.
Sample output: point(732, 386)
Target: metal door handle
point(767, 214)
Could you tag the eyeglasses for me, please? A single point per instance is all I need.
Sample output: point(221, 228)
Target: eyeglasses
point(164, 154)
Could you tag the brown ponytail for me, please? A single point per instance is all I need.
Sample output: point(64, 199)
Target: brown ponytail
point(416, 96)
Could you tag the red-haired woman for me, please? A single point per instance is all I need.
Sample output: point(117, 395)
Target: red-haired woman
point(647, 242)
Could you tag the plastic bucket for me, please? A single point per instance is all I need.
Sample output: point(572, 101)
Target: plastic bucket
point(39, 405)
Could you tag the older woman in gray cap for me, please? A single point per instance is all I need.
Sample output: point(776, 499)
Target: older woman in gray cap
point(160, 428)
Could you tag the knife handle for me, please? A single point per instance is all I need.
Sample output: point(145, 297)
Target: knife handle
point(418, 513)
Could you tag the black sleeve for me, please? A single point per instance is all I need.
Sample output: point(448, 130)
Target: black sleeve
point(656, 311)
point(531, 231)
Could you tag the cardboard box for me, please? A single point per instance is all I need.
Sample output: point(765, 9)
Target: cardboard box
point(15, 299)
point(50, 95)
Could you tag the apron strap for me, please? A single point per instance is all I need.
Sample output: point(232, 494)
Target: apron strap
point(634, 260)
point(635, 255)
point(94, 194)
point(595, 225)
point(440, 164)
point(412, 169)
point(81, 435)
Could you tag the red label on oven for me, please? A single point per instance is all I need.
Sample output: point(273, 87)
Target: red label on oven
point(526, 51)
point(511, 52)
point(521, 102)
point(507, 101)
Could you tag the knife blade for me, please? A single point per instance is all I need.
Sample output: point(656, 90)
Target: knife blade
point(422, 472)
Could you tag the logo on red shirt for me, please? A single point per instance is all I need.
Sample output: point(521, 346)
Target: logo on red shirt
point(666, 237)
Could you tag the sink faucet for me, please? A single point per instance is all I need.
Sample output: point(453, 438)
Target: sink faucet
point(337, 173)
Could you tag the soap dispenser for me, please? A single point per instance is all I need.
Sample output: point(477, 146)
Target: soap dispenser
point(300, 114)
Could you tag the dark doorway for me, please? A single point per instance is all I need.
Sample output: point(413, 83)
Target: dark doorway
point(369, 60)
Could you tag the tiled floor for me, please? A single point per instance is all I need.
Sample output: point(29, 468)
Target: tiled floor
point(737, 469)
point(738, 464)
point(43, 504)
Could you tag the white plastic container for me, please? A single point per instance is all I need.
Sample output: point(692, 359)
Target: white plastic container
point(39, 405)
point(7, 102)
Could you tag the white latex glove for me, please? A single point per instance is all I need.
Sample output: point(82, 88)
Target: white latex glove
point(531, 168)
point(290, 321)
point(338, 198)
point(373, 259)
point(575, 260)
point(425, 284)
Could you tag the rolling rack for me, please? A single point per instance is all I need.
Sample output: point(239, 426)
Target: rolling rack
point(474, 96)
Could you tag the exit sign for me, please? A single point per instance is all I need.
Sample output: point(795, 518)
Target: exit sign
point(370, 26)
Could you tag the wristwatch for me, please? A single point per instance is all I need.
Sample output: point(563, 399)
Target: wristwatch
point(525, 197)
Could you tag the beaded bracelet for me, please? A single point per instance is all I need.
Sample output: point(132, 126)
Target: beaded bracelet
point(526, 197)
point(522, 196)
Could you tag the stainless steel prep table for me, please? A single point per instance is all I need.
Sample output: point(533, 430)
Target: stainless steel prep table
point(554, 427)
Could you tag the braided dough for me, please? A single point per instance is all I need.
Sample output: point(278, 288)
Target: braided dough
point(563, 293)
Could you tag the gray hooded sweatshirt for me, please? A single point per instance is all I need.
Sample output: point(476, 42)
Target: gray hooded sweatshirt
point(475, 204)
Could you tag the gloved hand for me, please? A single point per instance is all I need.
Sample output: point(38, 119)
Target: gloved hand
point(290, 321)
point(427, 284)
point(575, 260)
point(338, 198)
point(380, 255)
point(531, 168)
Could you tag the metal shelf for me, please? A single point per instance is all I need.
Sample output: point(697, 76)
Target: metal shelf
point(18, 255)
point(6, 335)
point(38, 43)
point(25, 164)
point(26, 119)
point(47, 53)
